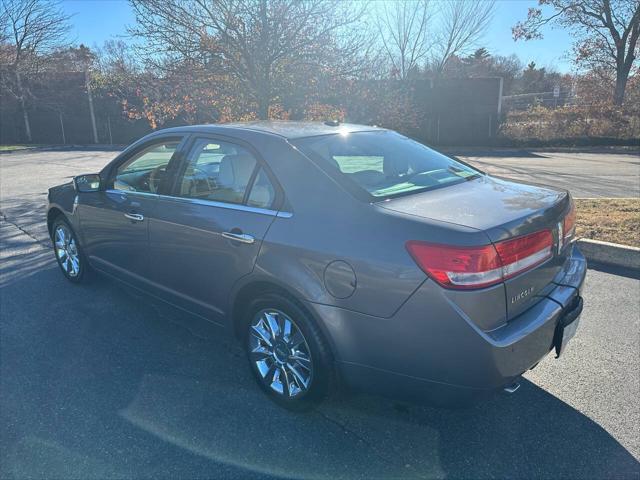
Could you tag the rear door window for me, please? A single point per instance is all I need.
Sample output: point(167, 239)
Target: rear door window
point(263, 193)
point(225, 172)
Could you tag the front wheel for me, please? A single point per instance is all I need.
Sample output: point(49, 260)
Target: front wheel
point(287, 353)
point(68, 252)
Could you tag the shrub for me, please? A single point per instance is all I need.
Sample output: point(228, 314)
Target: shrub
point(572, 122)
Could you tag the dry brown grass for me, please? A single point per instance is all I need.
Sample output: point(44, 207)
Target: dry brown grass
point(610, 220)
point(573, 121)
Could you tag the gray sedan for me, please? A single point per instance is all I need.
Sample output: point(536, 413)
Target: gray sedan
point(337, 254)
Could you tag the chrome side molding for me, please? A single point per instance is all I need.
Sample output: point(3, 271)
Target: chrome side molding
point(211, 203)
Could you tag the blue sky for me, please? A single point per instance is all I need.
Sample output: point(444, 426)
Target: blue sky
point(95, 21)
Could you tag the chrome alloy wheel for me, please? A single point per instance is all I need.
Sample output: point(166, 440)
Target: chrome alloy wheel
point(280, 353)
point(67, 251)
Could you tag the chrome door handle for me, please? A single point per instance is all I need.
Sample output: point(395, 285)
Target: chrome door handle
point(239, 237)
point(136, 217)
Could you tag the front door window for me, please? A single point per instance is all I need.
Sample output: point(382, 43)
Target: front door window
point(147, 170)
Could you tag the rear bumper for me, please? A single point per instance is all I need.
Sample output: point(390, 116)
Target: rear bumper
point(430, 350)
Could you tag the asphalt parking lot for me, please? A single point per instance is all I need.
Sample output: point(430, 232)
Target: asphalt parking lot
point(595, 172)
point(98, 381)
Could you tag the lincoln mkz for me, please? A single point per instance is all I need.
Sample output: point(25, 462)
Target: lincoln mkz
point(336, 254)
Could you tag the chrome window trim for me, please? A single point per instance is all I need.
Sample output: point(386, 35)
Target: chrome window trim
point(130, 192)
point(210, 203)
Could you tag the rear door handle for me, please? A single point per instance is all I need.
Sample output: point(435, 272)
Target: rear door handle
point(136, 217)
point(239, 237)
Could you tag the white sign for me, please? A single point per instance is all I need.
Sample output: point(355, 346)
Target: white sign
point(556, 91)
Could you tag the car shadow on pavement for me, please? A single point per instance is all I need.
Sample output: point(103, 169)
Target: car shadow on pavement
point(530, 434)
point(98, 381)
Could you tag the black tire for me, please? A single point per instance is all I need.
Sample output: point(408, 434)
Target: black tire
point(83, 266)
point(322, 376)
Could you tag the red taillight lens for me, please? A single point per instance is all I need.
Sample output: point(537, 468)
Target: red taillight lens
point(522, 253)
point(478, 267)
point(458, 267)
point(569, 224)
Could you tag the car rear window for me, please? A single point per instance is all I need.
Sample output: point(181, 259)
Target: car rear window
point(383, 164)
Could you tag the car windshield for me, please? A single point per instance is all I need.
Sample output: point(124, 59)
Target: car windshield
point(383, 163)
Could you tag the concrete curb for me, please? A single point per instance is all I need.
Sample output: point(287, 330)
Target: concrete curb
point(610, 253)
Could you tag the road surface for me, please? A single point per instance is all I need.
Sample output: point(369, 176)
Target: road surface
point(596, 173)
point(97, 381)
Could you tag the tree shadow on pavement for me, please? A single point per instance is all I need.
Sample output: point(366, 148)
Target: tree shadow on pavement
point(493, 153)
point(29, 214)
point(98, 381)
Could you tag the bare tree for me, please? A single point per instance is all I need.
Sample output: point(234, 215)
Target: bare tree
point(34, 29)
point(463, 23)
point(4, 26)
point(255, 42)
point(607, 33)
point(117, 58)
point(403, 30)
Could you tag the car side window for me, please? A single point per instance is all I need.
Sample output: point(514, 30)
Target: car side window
point(262, 194)
point(217, 171)
point(146, 170)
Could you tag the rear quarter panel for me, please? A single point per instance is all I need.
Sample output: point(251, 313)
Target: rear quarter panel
point(328, 224)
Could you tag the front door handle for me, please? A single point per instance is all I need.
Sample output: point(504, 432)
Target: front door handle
point(136, 217)
point(239, 237)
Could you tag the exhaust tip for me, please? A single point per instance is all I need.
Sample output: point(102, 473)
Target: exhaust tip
point(511, 388)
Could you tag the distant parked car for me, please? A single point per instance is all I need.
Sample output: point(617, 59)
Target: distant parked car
point(337, 254)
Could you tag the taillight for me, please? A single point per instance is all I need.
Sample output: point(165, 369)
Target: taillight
point(458, 267)
point(478, 267)
point(522, 253)
point(569, 223)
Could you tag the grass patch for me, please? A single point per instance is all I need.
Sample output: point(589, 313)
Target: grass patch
point(615, 220)
point(11, 148)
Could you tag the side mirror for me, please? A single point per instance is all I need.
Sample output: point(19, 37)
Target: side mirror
point(87, 183)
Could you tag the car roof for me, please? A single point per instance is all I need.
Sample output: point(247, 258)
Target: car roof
point(286, 129)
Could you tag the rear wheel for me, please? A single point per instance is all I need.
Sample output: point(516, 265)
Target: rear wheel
point(68, 252)
point(287, 353)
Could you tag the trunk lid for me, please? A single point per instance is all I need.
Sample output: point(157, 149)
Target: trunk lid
point(503, 210)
